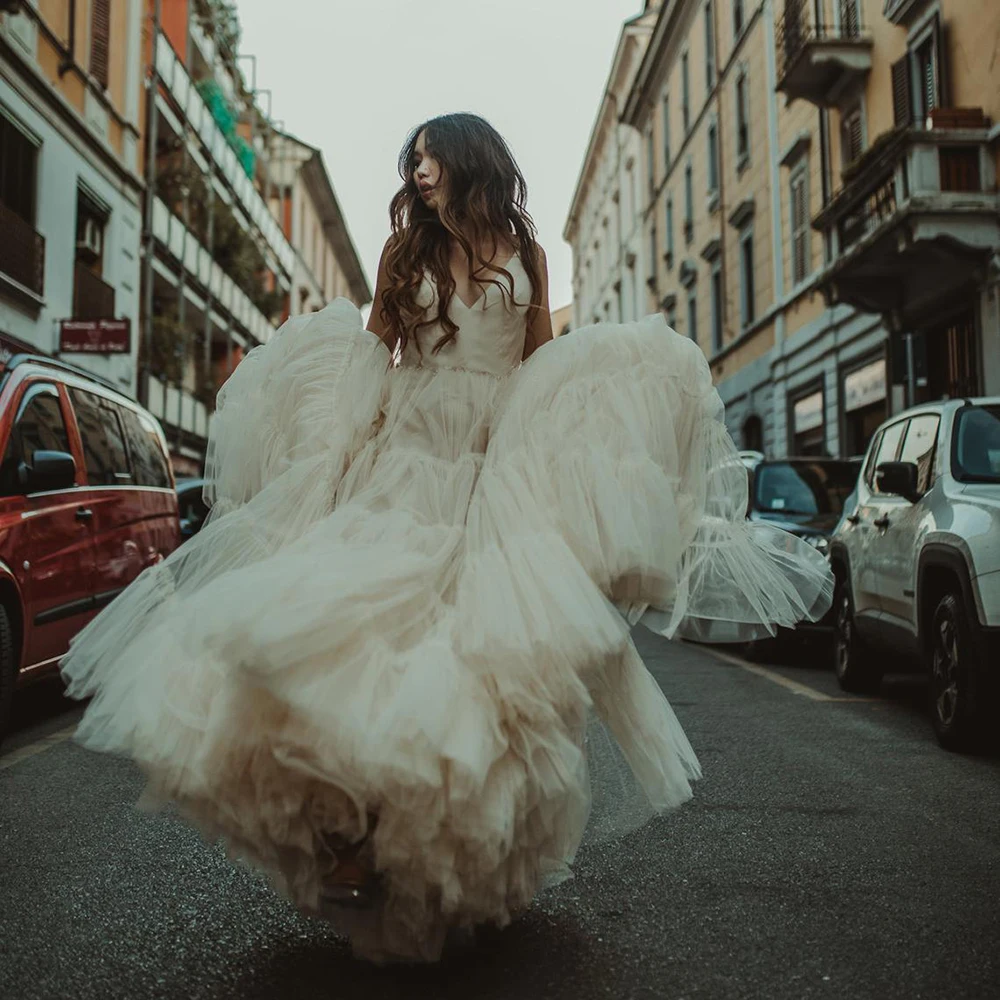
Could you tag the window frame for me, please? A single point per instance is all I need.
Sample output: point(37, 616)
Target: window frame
point(748, 289)
point(686, 91)
point(710, 53)
point(717, 294)
point(742, 105)
point(799, 178)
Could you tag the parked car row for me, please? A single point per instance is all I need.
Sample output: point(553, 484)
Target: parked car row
point(87, 501)
point(912, 531)
point(917, 562)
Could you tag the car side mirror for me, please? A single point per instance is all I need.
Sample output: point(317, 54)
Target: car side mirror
point(49, 471)
point(899, 478)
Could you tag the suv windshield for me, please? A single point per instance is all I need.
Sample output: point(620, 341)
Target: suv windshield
point(804, 487)
point(976, 454)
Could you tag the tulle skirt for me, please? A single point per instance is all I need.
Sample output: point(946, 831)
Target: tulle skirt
point(412, 601)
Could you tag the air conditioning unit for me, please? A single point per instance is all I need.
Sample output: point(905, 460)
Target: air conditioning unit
point(90, 239)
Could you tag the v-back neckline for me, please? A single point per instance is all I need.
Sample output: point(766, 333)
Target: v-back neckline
point(482, 295)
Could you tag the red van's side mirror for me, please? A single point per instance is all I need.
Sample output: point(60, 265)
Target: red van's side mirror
point(49, 470)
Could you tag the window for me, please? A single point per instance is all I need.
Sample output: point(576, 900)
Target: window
point(742, 121)
point(693, 313)
point(670, 231)
point(671, 315)
point(100, 38)
point(709, 44)
point(688, 203)
point(918, 447)
point(149, 461)
point(852, 136)
point(887, 449)
point(713, 159)
point(747, 298)
point(685, 93)
point(716, 307)
point(738, 19)
point(666, 132)
point(103, 440)
point(18, 170)
point(799, 201)
point(38, 426)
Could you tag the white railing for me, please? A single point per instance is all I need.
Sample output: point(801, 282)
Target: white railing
point(184, 245)
point(166, 403)
point(176, 80)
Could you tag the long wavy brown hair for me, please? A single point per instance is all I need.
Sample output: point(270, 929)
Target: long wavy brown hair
point(483, 208)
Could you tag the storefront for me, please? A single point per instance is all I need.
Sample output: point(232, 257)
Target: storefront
point(863, 395)
point(808, 427)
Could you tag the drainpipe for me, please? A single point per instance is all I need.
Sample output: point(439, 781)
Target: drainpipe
point(152, 126)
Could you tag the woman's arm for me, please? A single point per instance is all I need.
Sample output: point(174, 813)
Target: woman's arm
point(540, 319)
point(376, 324)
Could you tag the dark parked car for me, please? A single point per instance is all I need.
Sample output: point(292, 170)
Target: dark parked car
point(805, 496)
point(87, 502)
point(191, 506)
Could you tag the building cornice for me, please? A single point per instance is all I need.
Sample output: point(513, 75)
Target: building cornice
point(634, 29)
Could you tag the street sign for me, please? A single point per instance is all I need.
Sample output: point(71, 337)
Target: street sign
point(95, 336)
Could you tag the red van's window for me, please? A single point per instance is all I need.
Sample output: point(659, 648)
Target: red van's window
point(149, 464)
point(103, 440)
point(39, 426)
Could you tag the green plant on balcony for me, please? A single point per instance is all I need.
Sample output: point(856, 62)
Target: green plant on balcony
point(220, 19)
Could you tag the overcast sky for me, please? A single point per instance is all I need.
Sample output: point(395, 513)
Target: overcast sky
point(353, 76)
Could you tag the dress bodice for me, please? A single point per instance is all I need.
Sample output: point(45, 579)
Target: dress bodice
point(491, 333)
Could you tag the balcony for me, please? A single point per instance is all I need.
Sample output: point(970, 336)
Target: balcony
point(22, 252)
point(819, 62)
point(92, 297)
point(917, 219)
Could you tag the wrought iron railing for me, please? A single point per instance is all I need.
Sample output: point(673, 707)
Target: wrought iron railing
point(22, 251)
point(797, 28)
point(92, 297)
point(868, 213)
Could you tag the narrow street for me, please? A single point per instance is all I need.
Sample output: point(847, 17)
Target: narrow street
point(833, 850)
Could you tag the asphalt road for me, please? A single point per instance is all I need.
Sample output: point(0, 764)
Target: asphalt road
point(832, 850)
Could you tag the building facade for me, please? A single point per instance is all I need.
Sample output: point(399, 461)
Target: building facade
point(819, 206)
point(243, 228)
point(71, 189)
point(327, 265)
point(604, 224)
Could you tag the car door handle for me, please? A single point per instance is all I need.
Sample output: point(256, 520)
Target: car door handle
point(84, 514)
point(853, 519)
point(882, 522)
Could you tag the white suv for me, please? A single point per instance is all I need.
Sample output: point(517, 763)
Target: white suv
point(917, 561)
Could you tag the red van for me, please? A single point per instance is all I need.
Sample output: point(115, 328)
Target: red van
point(87, 502)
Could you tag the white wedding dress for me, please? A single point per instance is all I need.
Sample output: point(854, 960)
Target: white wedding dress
point(413, 599)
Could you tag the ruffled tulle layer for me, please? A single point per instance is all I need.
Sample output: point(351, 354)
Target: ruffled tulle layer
point(412, 601)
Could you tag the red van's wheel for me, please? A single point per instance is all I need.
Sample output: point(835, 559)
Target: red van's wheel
point(8, 669)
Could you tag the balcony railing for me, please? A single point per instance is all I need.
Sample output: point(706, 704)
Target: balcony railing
point(813, 55)
point(92, 297)
point(905, 166)
point(22, 251)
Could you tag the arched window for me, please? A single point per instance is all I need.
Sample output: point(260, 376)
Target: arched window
point(753, 433)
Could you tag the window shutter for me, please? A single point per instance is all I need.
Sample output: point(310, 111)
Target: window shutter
point(850, 19)
point(940, 98)
point(100, 40)
point(902, 103)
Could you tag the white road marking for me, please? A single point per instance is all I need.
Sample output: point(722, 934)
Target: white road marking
point(39, 746)
point(786, 682)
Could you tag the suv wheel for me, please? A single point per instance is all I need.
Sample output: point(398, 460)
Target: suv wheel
point(852, 660)
point(8, 669)
point(955, 669)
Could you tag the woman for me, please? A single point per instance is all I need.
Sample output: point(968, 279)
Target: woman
point(394, 669)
